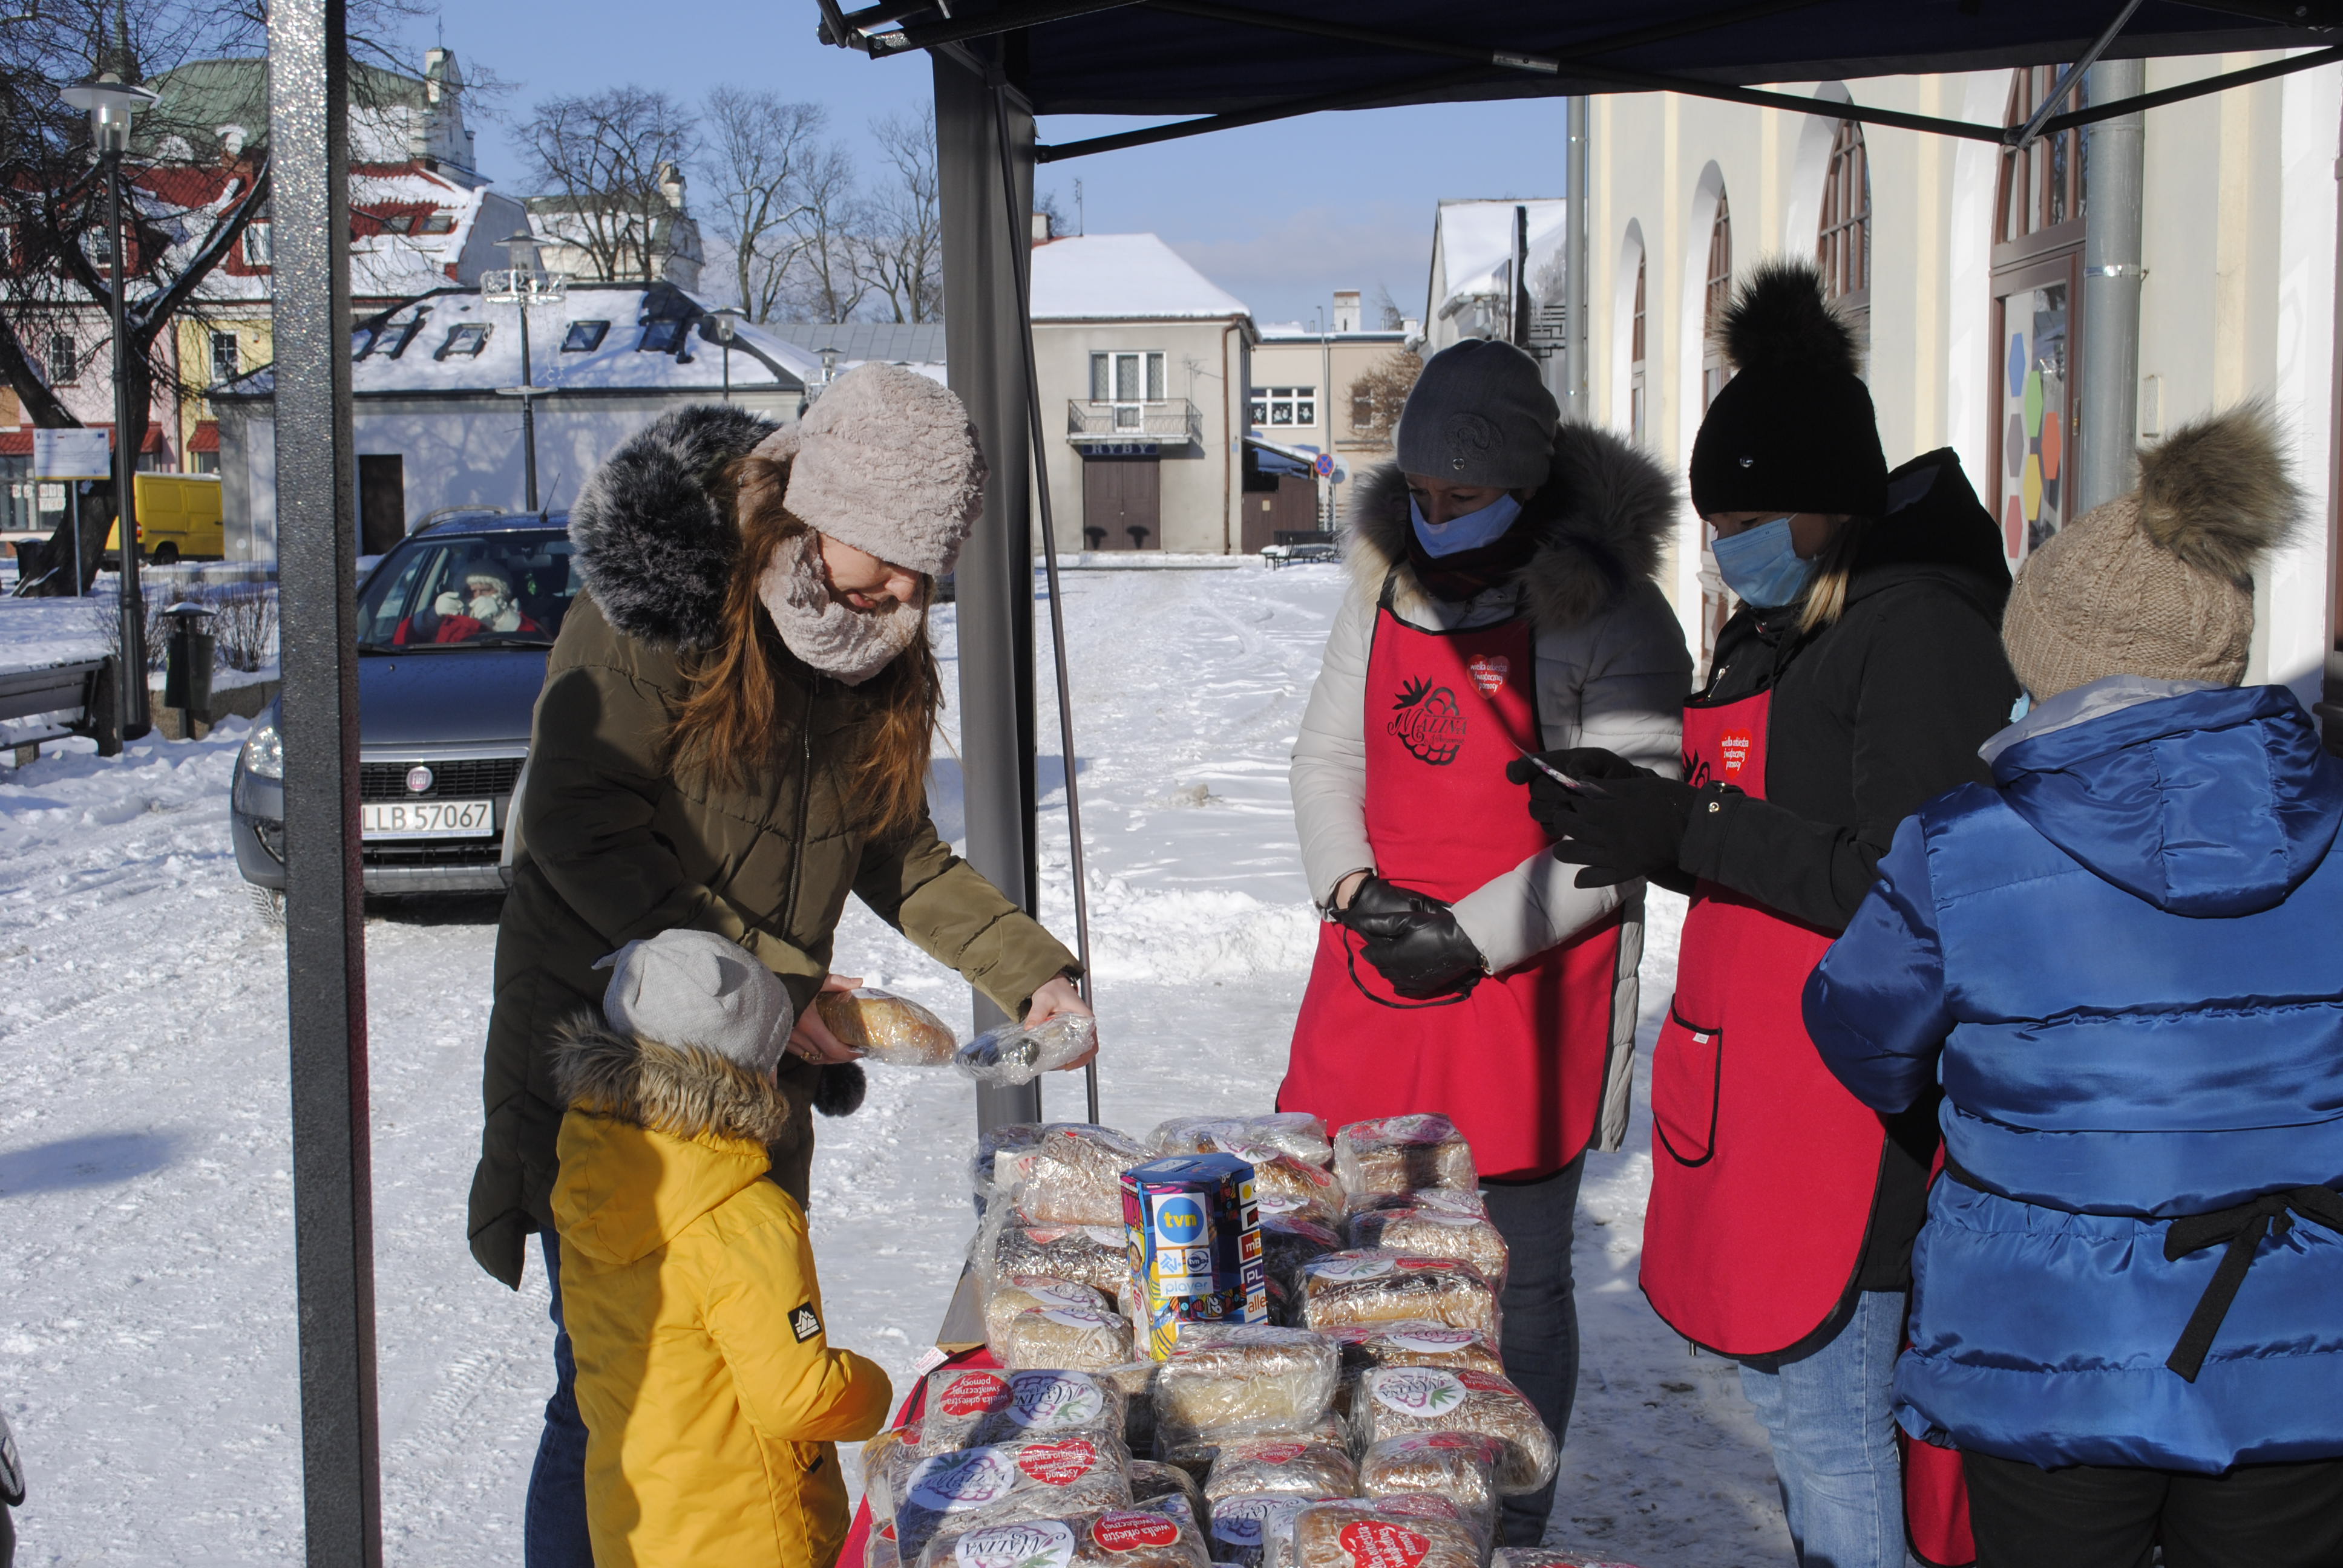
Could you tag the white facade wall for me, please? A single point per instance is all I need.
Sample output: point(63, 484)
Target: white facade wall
point(2240, 237)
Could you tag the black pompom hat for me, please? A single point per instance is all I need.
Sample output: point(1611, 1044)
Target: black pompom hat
point(1794, 430)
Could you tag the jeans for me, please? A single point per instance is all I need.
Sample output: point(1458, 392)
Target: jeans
point(553, 1525)
point(1540, 1328)
point(1834, 1440)
point(2105, 1516)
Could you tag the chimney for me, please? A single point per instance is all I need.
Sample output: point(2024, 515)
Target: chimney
point(1346, 310)
point(1041, 235)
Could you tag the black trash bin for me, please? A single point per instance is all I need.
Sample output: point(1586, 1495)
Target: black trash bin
point(187, 665)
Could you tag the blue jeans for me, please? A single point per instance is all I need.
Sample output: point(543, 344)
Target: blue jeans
point(1540, 1329)
point(553, 1526)
point(1835, 1441)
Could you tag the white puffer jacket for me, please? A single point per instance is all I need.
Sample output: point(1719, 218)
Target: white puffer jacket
point(1611, 671)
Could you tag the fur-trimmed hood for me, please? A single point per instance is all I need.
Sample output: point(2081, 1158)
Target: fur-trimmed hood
point(1602, 517)
point(657, 541)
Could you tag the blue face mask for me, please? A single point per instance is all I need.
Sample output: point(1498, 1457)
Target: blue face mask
point(1469, 532)
point(1763, 566)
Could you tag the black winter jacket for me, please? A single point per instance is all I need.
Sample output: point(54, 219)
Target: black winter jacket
point(1876, 713)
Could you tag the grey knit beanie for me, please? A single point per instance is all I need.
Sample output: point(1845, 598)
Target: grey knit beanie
point(692, 988)
point(2160, 582)
point(1479, 415)
point(887, 461)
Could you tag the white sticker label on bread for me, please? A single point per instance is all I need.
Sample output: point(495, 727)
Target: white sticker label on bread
point(1043, 1543)
point(1055, 1401)
point(1339, 1268)
point(957, 1482)
point(1431, 1341)
point(1416, 1393)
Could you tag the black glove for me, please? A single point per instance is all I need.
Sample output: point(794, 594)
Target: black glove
point(1591, 766)
point(1635, 828)
point(1413, 941)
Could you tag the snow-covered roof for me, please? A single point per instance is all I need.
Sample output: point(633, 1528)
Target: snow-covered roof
point(1123, 278)
point(861, 342)
point(1302, 332)
point(1475, 243)
point(444, 355)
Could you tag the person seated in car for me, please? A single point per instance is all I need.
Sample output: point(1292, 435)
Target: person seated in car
point(486, 604)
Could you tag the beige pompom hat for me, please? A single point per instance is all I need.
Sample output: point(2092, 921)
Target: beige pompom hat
point(2159, 582)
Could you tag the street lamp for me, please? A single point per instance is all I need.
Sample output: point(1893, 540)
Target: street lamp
point(111, 96)
point(523, 285)
point(724, 323)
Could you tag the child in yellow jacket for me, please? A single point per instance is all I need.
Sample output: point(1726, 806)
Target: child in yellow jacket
point(713, 1402)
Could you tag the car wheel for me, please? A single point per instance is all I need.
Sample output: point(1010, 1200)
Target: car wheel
point(269, 902)
point(166, 555)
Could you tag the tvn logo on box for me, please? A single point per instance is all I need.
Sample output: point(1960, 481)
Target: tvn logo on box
point(1179, 1221)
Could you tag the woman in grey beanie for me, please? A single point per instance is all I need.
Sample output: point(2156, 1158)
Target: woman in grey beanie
point(1502, 602)
point(733, 736)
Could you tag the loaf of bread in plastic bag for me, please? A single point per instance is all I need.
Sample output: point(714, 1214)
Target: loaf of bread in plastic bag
point(991, 1169)
point(1014, 1053)
point(1196, 1452)
point(1295, 1133)
point(1472, 1203)
point(1055, 1401)
point(1414, 1343)
point(1402, 1153)
point(1108, 1538)
point(1283, 1176)
point(1014, 1293)
point(1462, 1466)
point(1151, 1481)
point(887, 1460)
point(1366, 1285)
point(1381, 1532)
point(1074, 1175)
point(1098, 1256)
point(887, 1028)
point(1088, 1339)
point(1432, 1233)
point(1287, 1242)
point(1398, 1401)
point(1295, 1467)
point(1243, 1528)
point(1241, 1377)
point(1038, 1479)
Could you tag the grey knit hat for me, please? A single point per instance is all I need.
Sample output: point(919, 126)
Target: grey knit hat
point(1479, 415)
point(2159, 582)
point(887, 461)
point(692, 988)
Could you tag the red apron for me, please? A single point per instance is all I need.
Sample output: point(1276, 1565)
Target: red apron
point(1518, 1064)
point(1763, 1165)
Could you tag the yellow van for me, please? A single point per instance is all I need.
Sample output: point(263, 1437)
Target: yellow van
point(178, 519)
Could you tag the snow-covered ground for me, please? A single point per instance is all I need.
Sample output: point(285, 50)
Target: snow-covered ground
point(146, 1333)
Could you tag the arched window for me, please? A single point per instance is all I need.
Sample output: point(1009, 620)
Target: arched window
point(1636, 358)
point(1713, 373)
point(1843, 249)
point(2038, 261)
point(2042, 187)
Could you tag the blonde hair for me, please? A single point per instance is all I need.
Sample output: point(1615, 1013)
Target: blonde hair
point(1825, 596)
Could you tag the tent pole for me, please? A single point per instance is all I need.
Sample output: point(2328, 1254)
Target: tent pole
point(1024, 259)
point(1576, 340)
point(984, 316)
point(2114, 151)
point(324, 934)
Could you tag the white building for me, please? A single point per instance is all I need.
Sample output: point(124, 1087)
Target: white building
point(1964, 264)
point(1307, 395)
point(1470, 292)
point(438, 427)
point(1148, 360)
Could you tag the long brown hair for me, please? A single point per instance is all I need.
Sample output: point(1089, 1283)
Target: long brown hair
point(728, 729)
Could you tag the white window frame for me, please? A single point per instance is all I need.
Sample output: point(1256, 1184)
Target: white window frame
point(234, 356)
point(258, 244)
point(1298, 405)
point(1127, 381)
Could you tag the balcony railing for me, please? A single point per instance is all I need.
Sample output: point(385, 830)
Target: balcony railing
point(1175, 420)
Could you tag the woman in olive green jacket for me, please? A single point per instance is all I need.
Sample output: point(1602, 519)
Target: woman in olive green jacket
point(733, 735)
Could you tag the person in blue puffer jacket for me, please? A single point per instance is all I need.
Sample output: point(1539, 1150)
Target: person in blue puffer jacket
point(2121, 962)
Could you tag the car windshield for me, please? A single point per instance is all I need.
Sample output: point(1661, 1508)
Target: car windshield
point(468, 590)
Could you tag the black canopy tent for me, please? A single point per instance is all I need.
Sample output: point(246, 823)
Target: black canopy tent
point(995, 66)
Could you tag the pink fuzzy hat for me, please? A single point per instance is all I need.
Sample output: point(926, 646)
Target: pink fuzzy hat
point(887, 461)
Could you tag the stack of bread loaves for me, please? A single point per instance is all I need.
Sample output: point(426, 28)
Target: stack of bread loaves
point(1370, 1424)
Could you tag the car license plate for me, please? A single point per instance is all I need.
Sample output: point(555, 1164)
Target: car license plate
point(428, 819)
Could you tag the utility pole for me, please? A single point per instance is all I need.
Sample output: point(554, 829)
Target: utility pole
point(2114, 152)
point(1576, 333)
point(522, 285)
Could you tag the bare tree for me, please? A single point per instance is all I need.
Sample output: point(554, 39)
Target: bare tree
point(608, 159)
point(901, 257)
point(1377, 397)
point(824, 283)
point(759, 149)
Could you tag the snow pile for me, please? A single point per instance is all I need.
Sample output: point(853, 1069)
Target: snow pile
point(147, 1331)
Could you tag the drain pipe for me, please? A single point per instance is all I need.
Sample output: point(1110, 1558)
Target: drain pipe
point(2108, 410)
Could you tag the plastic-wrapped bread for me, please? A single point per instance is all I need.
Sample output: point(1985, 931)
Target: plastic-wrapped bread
point(1283, 1176)
point(1152, 1481)
point(1296, 1134)
point(1414, 1343)
point(1014, 1293)
point(1318, 1212)
point(1074, 1175)
point(1093, 1255)
point(1234, 1379)
point(1242, 1528)
point(1012, 1053)
point(1136, 1380)
point(1109, 1538)
point(1196, 1452)
point(1294, 1467)
point(1088, 1339)
point(887, 1460)
point(1287, 1242)
point(1365, 1285)
point(1398, 1402)
point(992, 1168)
point(1460, 1466)
point(878, 1548)
point(1430, 1233)
point(955, 1401)
point(1053, 1403)
point(887, 1028)
point(1402, 1153)
point(1470, 1203)
point(999, 1483)
point(1381, 1532)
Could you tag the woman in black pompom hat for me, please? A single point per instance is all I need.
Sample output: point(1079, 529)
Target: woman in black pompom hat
point(1856, 680)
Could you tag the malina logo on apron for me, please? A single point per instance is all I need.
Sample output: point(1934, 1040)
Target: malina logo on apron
point(1428, 722)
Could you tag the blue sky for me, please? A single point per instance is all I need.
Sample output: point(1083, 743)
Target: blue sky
point(1279, 214)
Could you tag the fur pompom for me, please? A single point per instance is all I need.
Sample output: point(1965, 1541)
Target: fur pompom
point(1780, 319)
point(839, 1090)
point(2217, 492)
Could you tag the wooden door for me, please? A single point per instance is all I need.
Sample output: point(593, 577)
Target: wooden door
point(1122, 504)
point(382, 502)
